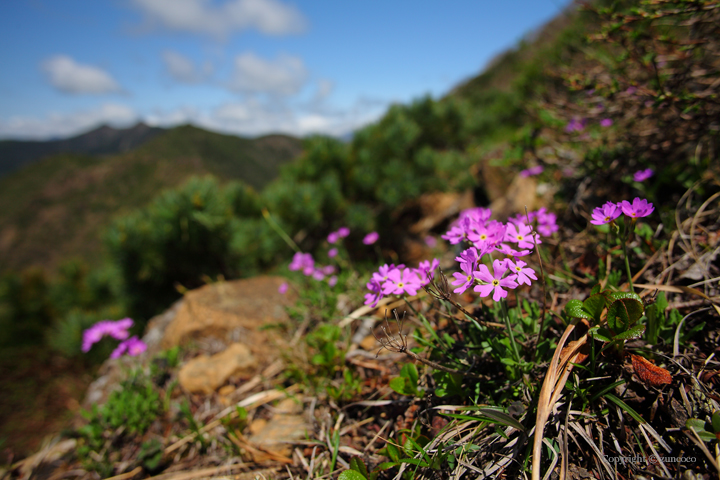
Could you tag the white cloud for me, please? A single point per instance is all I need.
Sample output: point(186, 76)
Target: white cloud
point(68, 76)
point(285, 75)
point(201, 16)
point(183, 69)
point(67, 124)
point(325, 88)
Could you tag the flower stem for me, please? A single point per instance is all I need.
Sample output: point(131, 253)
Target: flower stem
point(506, 317)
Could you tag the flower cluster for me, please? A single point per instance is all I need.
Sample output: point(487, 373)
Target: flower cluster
point(304, 262)
point(484, 236)
point(118, 330)
point(610, 211)
point(399, 280)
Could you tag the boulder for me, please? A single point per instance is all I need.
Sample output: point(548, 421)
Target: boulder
point(204, 374)
point(233, 311)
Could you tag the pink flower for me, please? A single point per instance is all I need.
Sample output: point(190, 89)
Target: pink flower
point(333, 237)
point(638, 208)
point(486, 237)
point(605, 214)
point(575, 125)
point(606, 122)
point(332, 253)
point(304, 262)
point(402, 281)
point(426, 270)
point(116, 329)
point(376, 293)
point(511, 252)
point(642, 175)
point(430, 241)
point(381, 275)
point(343, 232)
point(464, 280)
point(521, 234)
point(532, 171)
point(332, 281)
point(283, 288)
point(133, 346)
point(371, 238)
point(519, 273)
point(494, 283)
point(318, 274)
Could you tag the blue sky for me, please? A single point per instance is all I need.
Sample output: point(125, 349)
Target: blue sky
point(246, 67)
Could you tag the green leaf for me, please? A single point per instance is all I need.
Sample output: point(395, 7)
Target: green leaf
point(574, 309)
point(623, 313)
point(625, 407)
point(358, 465)
point(392, 452)
point(630, 333)
point(351, 475)
point(594, 305)
point(699, 427)
point(716, 421)
point(410, 372)
point(497, 416)
point(603, 334)
point(400, 385)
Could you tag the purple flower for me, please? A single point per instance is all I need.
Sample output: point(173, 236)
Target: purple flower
point(486, 237)
point(132, 346)
point(426, 270)
point(521, 234)
point(464, 280)
point(283, 288)
point(304, 262)
point(371, 238)
point(606, 122)
point(430, 241)
point(519, 273)
point(642, 175)
point(575, 125)
point(402, 281)
point(511, 252)
point(494, 283)
point(376, 293)
point(532, 171)
point(116, 329)
point(470, 256)
point(318, 274)
point(343, 232)
point(332, 281)
point(605, 214)
point(333, 237)
point(328, 269)
point(332, 253)
point(638, 208)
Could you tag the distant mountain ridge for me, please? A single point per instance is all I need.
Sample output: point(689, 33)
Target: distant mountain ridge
point(57, 206)
point(103, 140)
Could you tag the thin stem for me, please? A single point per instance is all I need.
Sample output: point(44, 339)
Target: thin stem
point(279, 230)
point(626, 240)
point(506, 317)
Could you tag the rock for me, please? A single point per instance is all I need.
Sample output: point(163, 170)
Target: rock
point(232, 310)
point(204, 374)
point(278, 433)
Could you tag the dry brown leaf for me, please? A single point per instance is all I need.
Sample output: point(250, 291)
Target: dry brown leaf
point(650, 373)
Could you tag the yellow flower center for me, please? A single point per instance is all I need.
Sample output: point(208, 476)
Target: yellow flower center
point(496, 283)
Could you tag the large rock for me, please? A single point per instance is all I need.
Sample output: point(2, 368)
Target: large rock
point(231, 311)
point(204, 374)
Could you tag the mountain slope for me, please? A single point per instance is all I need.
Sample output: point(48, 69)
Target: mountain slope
point(103, 140)
point(57, 207)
